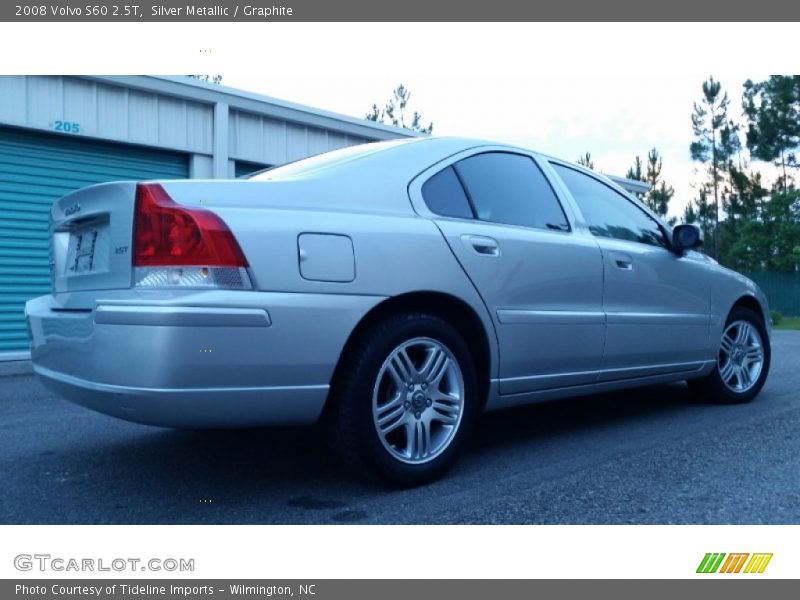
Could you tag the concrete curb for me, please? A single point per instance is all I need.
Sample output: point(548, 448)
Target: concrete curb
point(15, 367)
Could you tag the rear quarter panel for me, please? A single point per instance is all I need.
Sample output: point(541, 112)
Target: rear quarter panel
point(394, 255)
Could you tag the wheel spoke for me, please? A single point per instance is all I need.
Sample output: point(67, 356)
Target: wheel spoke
point(726, 345)
point(747, 376)
point(446, 412)
point(397, 376)
point(439, 374)
point(425, 435)
point(394, 402)
point(390, 425)
point(726, 371)
point(418, 440)
point(401, 368)
point(390, 414)
point(405, 359)
point(754, 353)
point(437, 395)
point(435, 365)
point(737, 374)
point(752, 372)
point(743, 333)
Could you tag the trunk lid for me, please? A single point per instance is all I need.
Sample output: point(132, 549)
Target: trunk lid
point(91, 233)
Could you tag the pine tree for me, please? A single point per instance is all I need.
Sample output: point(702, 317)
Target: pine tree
point(740, 246)
point(716, 141)
point(781, 218)
point(635, 172)
point(701, 212)
point(395, 113)
point(772, 108)
point(586, 161)
point(660, 193)
point(657, 199)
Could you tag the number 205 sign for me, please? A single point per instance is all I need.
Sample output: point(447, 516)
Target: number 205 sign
point(66, 126)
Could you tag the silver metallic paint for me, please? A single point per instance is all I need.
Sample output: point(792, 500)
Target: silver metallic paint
point(562, 316)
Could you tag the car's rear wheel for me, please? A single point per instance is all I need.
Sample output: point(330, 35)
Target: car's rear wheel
point(743, 358)
point(405, 399)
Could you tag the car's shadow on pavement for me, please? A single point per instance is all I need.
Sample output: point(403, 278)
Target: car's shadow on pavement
point(301, 453)
point(153, 475)
point(557, 417)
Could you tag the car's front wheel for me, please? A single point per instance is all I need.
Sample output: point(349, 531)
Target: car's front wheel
point(405, 399)
point(743, 358)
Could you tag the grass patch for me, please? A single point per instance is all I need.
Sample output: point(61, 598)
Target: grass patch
point(788, 323)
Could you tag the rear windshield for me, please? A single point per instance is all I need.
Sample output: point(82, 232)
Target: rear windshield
point(325, 160)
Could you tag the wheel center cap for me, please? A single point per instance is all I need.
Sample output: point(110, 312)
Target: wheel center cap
point(418, 400)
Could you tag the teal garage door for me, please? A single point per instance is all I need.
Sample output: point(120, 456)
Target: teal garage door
point(36, 170)
point(244, 168)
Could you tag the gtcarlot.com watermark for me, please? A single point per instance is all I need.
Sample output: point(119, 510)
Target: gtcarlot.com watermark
point(57, 564)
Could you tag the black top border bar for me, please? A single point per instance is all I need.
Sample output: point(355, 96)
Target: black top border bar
point(404, 11)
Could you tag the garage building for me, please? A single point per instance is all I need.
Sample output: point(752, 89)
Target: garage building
point(62, 133)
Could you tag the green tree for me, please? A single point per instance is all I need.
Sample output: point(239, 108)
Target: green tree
point(772, 108)
point(740, 243)
point(690, 213)
point(635, 172)
point(700, 212)
point(716, 141)
point(781, 220)
point(586, 161)
point(395, 112)
point(660, 193)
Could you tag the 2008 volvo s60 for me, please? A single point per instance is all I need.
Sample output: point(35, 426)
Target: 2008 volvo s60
point(392, 290)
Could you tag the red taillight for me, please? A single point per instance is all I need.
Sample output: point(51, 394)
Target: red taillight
point(168, 234)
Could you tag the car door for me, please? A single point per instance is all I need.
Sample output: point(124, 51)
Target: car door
point(541, 284)
point(656, 301)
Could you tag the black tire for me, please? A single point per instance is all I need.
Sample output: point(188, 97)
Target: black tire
point(352, 428)
point(713, 389)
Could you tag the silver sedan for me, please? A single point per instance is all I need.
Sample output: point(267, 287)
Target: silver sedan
point(393, 290)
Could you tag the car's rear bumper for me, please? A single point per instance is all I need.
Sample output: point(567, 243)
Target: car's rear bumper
point(196, 359)
point(192, 407)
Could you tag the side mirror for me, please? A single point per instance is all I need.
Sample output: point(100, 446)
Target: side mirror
point(685, 237)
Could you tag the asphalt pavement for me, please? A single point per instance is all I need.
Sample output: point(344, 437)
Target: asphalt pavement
point(653, 455)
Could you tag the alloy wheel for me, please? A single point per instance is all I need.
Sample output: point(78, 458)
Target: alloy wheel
point(418, 400)
point(741, 356)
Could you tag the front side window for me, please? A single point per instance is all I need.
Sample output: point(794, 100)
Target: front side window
point(607, 212)
point(511, 189)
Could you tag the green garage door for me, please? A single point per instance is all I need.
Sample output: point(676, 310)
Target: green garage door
point(35, 170)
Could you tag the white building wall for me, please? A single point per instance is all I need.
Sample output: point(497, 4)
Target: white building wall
point(214, 125)
point(265, 140)
point(107, 112)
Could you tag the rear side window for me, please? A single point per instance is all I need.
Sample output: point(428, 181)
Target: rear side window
point(444, 195)
point(511, 189)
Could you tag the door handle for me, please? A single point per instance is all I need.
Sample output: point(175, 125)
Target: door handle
point(485, 246)
point(622, 261)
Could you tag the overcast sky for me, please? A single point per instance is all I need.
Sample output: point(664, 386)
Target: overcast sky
point(615, 90)
point(614, 117)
